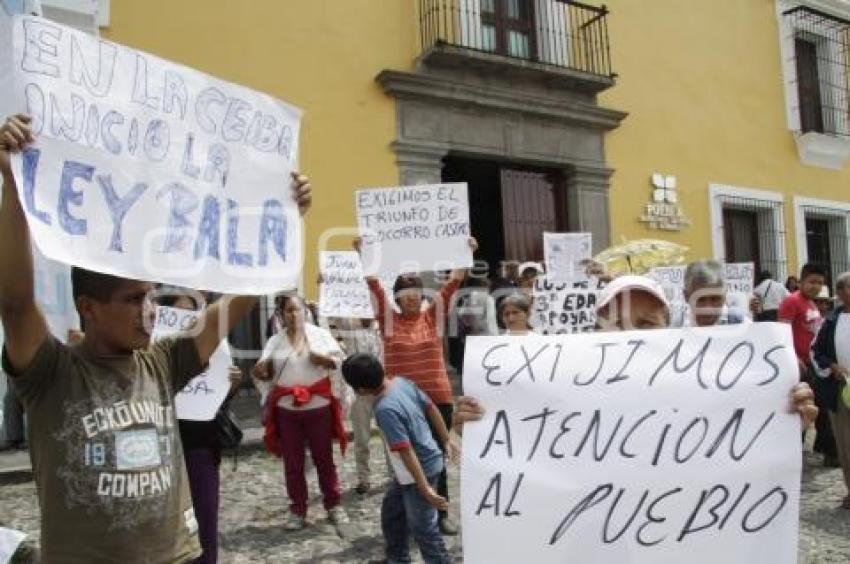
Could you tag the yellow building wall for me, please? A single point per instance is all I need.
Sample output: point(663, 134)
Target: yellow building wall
point(703, 84)
point(320, 55)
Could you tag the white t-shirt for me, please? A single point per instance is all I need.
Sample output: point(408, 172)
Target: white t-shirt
point(771, 293)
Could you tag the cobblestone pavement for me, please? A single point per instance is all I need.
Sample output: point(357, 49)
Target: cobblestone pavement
point(253, 508)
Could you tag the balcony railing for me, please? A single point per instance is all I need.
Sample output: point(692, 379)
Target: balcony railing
point(560, 33)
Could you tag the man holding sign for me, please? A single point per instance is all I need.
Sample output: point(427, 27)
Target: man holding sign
point(638, 447)
point(110, 472)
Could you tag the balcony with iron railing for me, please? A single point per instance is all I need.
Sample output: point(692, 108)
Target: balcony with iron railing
point(561, 38)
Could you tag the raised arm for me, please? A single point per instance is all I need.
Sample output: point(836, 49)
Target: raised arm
point(218, 321)
point(220, 318)
point(380, 301)
point(459, 274)
point(448, 290)
point(23, 323)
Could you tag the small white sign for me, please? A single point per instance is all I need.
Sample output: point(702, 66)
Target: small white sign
point(565, 255)
point(414, 228)
point(343, 292)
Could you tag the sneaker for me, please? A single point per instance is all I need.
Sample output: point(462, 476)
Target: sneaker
point(294, 522)
point(363, 488)
point(338, 516)
point(447, 526)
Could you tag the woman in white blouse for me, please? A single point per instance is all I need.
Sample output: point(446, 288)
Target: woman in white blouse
point(299, 368)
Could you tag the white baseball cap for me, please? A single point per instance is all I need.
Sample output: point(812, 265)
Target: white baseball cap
point(631, 282)
point(530, 264)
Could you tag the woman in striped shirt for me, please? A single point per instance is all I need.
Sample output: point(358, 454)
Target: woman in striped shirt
point(413, 344)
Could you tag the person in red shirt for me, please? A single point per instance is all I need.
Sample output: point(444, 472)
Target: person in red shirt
point(801, 311)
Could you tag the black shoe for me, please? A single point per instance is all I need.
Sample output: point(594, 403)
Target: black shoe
point(447, 526)
point(831, 461)
point(363, 488)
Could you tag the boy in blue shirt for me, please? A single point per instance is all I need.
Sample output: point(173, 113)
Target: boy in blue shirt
point(403, 412)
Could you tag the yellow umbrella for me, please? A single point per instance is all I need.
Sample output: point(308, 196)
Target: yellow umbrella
point(641, 255)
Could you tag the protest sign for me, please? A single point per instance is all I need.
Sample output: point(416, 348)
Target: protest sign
point(10, 539)
point(149, 170)
point(739, 287)
point(343, 292)
point(564, 254)
point(204, 394)
point(740, 282)
point(414, 228)
point(563, 307)
point(740, 277)
point(650, 447)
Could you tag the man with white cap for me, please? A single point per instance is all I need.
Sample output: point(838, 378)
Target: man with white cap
point(632, 303)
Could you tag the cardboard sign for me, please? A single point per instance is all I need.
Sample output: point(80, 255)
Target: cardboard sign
point(644, 447)
point(343, 292)
point(563, 307)
point(204, 394)
point(414, 228)
point(150, 170)
point(564, 254)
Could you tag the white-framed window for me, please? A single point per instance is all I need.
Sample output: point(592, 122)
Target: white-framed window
point(815, 49)
point(822, 230)
point(748, 225)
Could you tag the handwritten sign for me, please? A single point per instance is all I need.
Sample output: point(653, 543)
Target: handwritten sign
point(414, 228)
point(151, 170)
point(343, 291)
point(740, 282)
point(564, 254)
point(651, 447)
point(204, 394)
point(563, 307)
point(740, 277)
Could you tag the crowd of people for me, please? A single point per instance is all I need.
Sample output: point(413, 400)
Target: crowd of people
point(89, 404)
